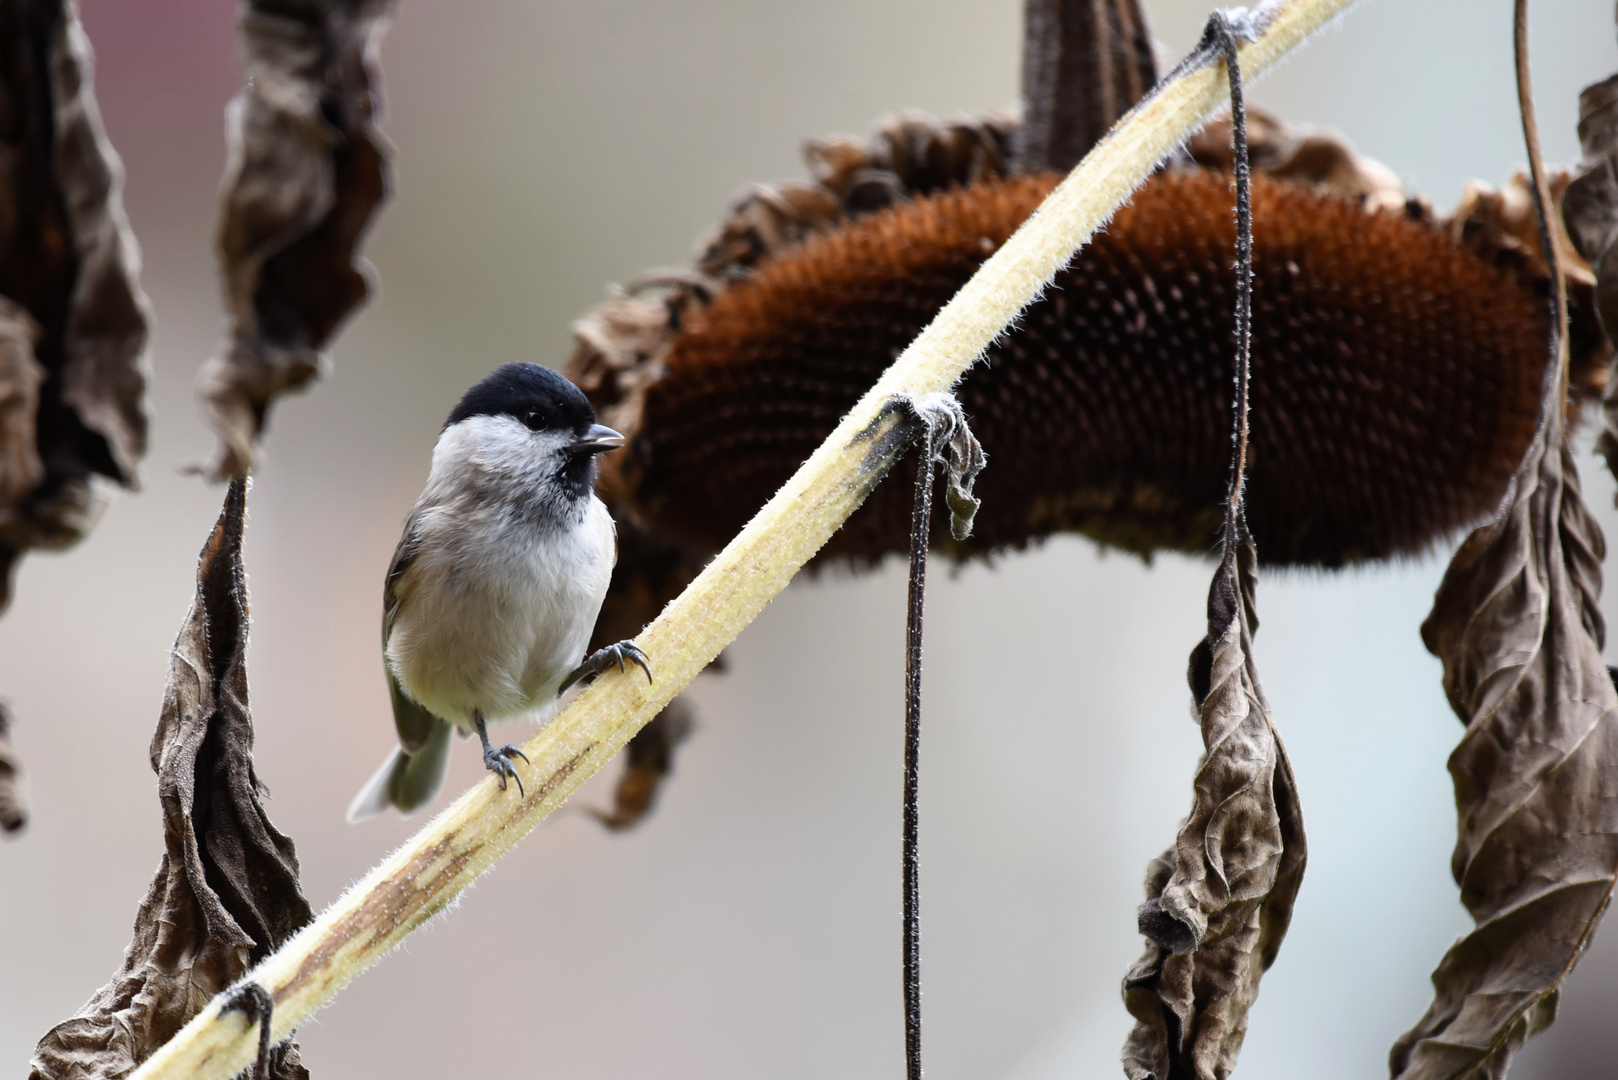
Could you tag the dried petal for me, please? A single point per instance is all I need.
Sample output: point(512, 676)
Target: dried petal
point(1518, 626)
point(226, 894)
point(1501, 226)
point(1301, 156)
point(307, 170)
point(1219, 902)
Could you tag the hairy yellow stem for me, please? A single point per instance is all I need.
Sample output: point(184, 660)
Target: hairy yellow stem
point(430, 871)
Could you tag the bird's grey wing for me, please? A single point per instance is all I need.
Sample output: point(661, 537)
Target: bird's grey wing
point(403, 555)
point(414, 723)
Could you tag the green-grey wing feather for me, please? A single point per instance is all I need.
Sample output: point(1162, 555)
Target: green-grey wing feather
point(414, 723)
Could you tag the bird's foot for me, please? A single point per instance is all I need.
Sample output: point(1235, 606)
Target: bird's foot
point(622, 654)
point(497, 759)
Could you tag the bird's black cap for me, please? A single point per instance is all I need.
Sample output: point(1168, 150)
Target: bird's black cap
point(533, 393)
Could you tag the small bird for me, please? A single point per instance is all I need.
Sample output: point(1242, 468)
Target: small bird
point(496, 583)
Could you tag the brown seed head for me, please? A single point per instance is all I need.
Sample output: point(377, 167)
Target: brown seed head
point(1395, 376)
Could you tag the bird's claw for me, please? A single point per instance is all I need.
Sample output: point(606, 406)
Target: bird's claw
point(498, 761)
point(623, 654)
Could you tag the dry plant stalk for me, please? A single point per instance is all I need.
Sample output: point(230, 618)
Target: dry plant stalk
point(226, 894)
point(425, 875)
point(1517, 623)
point(307, 171)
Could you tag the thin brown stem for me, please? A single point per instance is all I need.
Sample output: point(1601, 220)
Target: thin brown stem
point(1556, 381)
point(920, 519)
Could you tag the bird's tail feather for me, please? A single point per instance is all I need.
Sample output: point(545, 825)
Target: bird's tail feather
point(406, 781)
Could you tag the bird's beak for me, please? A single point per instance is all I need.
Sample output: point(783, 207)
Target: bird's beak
point(598, 440)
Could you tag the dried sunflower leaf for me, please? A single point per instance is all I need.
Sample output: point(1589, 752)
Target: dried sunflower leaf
point(13, 807)
point(1084, 65)
point(21, 376)
point(1218, 902)
point(1517, 624)
point(1590, 214)
point(73, 320)
point(307, 170)
point(1590, 203)
point(226, 893)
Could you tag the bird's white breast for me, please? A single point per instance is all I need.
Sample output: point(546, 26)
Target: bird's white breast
point(498, 603)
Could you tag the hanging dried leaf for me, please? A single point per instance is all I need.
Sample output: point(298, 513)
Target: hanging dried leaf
point(307, 170)
point(1590, 213)
point(13, 807)
point(1084, 65)
point(21, 470)
point(1590, 200)
point(1518, 625)
point(73, 321)
point(226, 894)
point(1219, 901)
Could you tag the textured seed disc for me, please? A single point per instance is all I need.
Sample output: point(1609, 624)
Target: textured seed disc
point(1395, 376)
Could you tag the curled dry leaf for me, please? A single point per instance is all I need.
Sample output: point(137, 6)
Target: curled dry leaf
point(1104, 48)
point(1590, 214)
point(73, 320)
point(13, 807)
point(307, 170)
point(1219, 901)
point(1590, 200)
point(226, 894)
point(1518, 626)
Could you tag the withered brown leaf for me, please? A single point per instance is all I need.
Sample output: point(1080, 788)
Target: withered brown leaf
point(1518, 626)
point(307, 170)
point(1590, 202)
point(1590, 212)
point(73, 319)
point(1085, 63)
point(13, 807)
point(226, 893)
point(1219, 901)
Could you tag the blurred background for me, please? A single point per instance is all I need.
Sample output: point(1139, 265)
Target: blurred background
point(750, 927)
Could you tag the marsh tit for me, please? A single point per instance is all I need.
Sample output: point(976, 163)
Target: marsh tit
point(496, 583)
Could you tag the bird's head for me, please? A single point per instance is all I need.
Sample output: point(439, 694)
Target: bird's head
point(526, 425)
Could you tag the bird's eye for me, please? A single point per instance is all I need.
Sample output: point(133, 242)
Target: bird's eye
point(534, 419)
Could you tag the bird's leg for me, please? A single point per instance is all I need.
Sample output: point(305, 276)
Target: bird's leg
point(497, 759)
point(622, 654)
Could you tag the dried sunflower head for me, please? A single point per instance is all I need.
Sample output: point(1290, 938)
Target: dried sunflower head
point(1396, 367)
